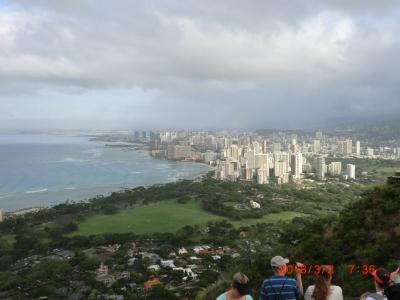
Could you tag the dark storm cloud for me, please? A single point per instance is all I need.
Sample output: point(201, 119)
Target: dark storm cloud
point(201, 63)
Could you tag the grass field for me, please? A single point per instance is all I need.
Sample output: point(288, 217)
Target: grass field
point(271, 218)
point(166, 216)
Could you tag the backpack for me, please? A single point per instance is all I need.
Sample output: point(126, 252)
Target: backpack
point(393, 292)
point(377, 296)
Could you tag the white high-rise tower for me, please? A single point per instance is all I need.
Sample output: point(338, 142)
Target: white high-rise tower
point(296, 165)
point(358, 148)
point(351, 171)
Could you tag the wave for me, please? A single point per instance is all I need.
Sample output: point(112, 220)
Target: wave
point(94, 153)
point(70, 188)
point(136, 172)
point(36, 191)
point(70, 159)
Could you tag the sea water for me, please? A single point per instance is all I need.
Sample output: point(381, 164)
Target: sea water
point(41, 170)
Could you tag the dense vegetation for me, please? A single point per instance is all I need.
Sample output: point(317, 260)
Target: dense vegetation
point(365, 232)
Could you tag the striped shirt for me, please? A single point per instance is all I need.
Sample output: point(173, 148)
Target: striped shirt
point(279, 287)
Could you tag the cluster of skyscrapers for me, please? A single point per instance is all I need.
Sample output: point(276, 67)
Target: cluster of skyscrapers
point(265, 157)
point(275, 156)
point(255, 162)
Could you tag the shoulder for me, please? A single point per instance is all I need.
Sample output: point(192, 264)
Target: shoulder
point(270, 279)
point(310, 288)
point(265, 281)
point(290, 281)
point(222, 297)
point(378, 296)
point(336, 293)
point(309, 291)
point(336, 289)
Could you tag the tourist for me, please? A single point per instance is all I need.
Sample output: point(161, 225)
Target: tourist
point(323, 289)
point(279, 286)
point(240, 289)
point(393, 291)
point(365, 296)
point(382, 281)
point(395, 276)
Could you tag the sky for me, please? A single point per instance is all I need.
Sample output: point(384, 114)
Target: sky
point(96, 64)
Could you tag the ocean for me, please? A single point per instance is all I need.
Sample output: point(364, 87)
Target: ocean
point(41, 170)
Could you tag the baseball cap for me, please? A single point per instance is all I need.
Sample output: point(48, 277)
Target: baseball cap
point(278, 261)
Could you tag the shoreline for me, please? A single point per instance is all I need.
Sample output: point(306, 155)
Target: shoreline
point(86, 193)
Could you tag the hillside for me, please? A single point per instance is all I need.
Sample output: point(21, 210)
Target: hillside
point(366, 232)
point(374, 132)
point(81, 235)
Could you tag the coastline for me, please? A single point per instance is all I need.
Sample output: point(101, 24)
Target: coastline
point(140, 173)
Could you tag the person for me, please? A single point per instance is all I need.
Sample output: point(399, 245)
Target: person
point(240, 289)
point(364, 296)
point(323, 289)
point(381, 281)
point(395, 276)
point(393, 291)
point(280, 287)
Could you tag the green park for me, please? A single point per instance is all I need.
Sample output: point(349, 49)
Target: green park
point(165, 216)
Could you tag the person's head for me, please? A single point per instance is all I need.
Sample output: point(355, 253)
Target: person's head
point(278, 265)
point(365, 296)
point(322, 283)
point(240, 285)
point(395, 276)
point(382, 278)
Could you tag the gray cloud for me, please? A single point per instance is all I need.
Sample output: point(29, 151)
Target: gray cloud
point(201, 64)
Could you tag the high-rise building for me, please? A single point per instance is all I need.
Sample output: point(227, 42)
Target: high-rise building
point(234, 152)
point(370, 151)
point(262, 175)
point(280, 168)
point(358, 148)
point(293, 146)
point(247, 173)
point(348, 147)
point(264, 146)
point(1, 216)
point(276, 147)
point(176, 152)
point(318, 135)
point(257, 147)
point(320, 167)
point(285, 157)
point(335, 168)
point(262, 161)
point(250, 156)
point(227, 170)
point(345, 147)
point(397, 151)
point(351, 171)
point(209, 156)
point(296, 165)
point(317, 146)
